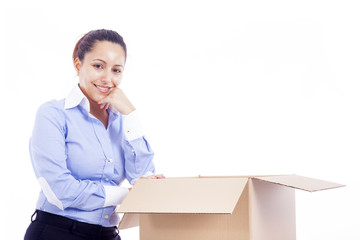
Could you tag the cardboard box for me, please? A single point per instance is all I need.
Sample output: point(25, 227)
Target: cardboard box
point(209, 208)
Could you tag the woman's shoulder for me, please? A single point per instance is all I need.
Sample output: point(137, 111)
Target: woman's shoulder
point(52, 108)
point(53, 104)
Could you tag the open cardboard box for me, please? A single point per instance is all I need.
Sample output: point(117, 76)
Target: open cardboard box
point(209, 208)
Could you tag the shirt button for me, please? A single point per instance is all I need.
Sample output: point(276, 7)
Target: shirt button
point(128, 131)
point(106, 179)
point(106, 216)
point(132, 150)
point(110, 160)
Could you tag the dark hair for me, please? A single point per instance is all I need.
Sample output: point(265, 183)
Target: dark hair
point(86, 43)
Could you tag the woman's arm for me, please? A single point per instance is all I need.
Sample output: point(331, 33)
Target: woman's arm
point(49, 159)
point(137, 151)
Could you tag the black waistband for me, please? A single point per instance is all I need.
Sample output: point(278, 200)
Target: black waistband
point(73, 225)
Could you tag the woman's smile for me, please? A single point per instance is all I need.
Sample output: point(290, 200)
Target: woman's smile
point(103, 89)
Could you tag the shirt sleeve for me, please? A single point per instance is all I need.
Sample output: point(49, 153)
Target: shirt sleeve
point(137, 151)
point(115, 195)
point(48, 155)
point(132, 126)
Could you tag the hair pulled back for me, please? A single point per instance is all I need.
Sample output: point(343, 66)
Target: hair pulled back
point(86, 43)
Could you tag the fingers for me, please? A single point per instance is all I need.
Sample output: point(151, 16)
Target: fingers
point(118, 100)
point(157, 176)
point(102, 101)
point(106, 99)
point(103, 104)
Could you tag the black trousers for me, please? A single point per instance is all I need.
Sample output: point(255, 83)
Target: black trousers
point(47, 226)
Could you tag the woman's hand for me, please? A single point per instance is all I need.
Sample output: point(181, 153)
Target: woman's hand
point(118, 100)
point(157, 176)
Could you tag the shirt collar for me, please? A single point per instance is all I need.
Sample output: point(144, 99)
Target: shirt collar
point(76, 97)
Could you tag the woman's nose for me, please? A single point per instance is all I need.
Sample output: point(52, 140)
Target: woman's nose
point(106, 78)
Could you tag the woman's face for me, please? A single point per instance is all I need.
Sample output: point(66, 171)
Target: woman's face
point(101, 70)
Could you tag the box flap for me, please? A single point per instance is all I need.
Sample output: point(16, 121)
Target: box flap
point(128, 221)
point(184, 195)
point(300, 182)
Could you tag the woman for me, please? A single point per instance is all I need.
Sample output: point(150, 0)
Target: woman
point(85, 145)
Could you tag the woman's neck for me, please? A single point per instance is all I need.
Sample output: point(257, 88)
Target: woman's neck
point(101, 114)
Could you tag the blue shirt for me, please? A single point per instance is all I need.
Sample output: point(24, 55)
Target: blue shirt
point(80, 164)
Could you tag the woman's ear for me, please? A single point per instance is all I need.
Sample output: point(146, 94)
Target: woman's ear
point(77, 65)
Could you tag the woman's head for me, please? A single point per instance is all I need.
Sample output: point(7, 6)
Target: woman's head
point(99, 59)
point(86, 43)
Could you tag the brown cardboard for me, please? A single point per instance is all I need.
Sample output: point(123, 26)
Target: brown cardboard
point(300, 182)
point(272, 211)
point(184, 195)
point(231, 208)
point(129, 221)
point(198, 226)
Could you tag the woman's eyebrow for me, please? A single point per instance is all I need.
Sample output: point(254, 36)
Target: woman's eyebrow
point(99, 60)
point(117, 65)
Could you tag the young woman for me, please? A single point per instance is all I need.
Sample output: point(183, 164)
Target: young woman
point(85, 145)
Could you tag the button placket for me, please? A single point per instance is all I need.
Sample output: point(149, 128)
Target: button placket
point(105, 142)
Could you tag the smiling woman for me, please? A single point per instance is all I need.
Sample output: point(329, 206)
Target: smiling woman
point(85, 145)
point(100, 73)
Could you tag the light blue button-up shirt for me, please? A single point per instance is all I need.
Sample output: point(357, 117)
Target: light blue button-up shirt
point(80, 164)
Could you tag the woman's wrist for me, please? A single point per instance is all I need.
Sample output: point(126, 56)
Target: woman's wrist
point(129, 110)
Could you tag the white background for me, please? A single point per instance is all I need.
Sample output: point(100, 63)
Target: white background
point(223, 88)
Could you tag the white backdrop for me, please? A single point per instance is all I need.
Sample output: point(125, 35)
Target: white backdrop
point(223, 88)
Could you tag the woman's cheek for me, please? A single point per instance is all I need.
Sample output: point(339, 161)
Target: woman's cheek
point(117, 81)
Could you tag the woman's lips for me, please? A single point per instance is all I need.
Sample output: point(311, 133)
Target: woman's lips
point(102, 88)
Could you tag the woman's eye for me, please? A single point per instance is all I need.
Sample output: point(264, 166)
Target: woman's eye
point(117, 70)
point(97, 66)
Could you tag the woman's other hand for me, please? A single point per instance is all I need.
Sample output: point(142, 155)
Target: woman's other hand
point(118, 100)
point(157, 176)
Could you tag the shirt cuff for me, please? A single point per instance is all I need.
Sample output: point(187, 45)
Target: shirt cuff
point(114, 195)
point(132, 126)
